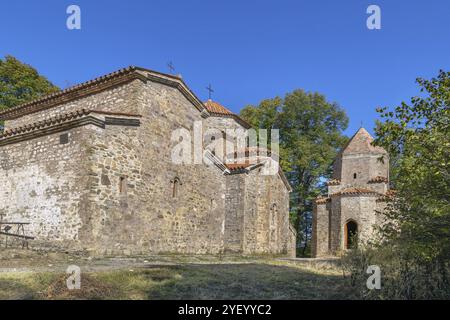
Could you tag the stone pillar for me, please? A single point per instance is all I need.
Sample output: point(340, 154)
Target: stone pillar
point(320, 238)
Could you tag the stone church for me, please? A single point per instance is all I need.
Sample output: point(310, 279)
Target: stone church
point(356, 193)
point(90, 168)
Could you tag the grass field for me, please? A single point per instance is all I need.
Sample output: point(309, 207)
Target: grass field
point(175, 277)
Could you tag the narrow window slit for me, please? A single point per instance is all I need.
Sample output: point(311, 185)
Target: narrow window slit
point(122, 185)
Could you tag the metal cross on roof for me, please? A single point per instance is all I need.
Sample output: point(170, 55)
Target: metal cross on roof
point(210, 90)
point(171, 67)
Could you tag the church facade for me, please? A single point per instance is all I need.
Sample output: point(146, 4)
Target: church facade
point(91, 168)
point(346, 216)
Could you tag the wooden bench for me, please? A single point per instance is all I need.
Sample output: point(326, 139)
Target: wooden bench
point(18, 234)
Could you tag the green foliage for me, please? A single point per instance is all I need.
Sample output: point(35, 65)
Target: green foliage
point(403, 276)
point(414, 248)
point(418, 137)
point(20, 83)
point(310, 137)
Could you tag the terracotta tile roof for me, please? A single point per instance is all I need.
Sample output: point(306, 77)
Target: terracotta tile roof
point(100, 84)
point(378, 179)
point(333, 182)
point(237, 166)
point(218, 110)
point(391, 193)
point(322, 200)
point(356, 190)
point(242, 163)
point(45, 123)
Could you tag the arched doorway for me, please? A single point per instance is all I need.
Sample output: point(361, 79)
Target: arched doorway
point(351, 234)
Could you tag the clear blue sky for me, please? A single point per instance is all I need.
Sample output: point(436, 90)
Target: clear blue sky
point(248, 50)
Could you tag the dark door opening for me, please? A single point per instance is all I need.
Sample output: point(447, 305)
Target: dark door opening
point(351, 235)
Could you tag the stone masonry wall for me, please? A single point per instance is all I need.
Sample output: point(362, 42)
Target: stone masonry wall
point(44, 183)
point(335, 225)
point(144, 218)
point(365, 166)
point(191, 221)
point(360, 209)
point(234, 213)
point(215, 124)
point(266, 218)
point(118, 99)
point(111, 190)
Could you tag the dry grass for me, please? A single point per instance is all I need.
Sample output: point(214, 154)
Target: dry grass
point(24, 286)
point(263, 279)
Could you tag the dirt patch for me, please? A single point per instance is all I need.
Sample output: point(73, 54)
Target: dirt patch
point(90, 289)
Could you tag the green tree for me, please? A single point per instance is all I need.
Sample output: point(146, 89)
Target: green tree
point(310, 137)
point(20, 83)
point(413, 251)
point(417, 135)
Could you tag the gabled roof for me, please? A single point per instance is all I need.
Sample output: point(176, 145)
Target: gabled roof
point(215, 109)
point(361, 143)
point(99, 84)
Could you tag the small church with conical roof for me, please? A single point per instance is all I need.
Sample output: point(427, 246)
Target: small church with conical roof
point(346, 215)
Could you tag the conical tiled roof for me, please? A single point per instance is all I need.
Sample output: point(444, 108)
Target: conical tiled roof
point(361, 143)
point(216, 108)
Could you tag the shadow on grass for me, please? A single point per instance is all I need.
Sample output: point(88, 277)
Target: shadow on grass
point(242, 281)
point(14, 290)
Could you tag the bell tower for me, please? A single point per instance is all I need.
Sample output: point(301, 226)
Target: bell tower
point(360, 161)
point(346, 215)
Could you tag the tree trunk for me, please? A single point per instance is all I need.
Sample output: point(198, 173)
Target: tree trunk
point(305, 232)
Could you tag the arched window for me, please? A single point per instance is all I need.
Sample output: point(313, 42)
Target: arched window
point(176, 183)
point(213, 204)
point(123, 185)
point(354, 176)
point(351, 234)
